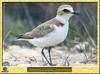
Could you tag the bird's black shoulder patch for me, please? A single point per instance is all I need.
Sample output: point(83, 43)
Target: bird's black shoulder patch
point(60, 24)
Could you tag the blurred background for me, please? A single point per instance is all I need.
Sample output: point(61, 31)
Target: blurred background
point(22, 17)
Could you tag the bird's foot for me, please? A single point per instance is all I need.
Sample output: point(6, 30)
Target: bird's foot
point(52, 64)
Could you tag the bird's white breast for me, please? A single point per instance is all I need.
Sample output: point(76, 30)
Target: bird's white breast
point(53, 38)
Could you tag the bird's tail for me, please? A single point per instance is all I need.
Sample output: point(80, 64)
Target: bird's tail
point(19, 36)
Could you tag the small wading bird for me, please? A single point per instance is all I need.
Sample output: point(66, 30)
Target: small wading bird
point(50, 33)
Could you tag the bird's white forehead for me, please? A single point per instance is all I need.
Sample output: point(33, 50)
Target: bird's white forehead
point(66, 6)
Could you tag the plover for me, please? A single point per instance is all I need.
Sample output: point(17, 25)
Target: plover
point(50, 33)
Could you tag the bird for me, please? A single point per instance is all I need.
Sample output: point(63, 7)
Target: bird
point(52, 32)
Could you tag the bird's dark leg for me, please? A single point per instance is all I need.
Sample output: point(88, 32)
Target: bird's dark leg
point(49, 49)
point(45, 56)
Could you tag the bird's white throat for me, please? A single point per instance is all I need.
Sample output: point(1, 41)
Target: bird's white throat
point(64, 18)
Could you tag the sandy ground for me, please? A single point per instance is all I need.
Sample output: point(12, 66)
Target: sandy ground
point(61, 56)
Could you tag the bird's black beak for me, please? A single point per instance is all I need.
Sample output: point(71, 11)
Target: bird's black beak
point(75, 13)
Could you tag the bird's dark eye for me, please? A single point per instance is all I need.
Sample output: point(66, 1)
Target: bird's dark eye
point(65, 10)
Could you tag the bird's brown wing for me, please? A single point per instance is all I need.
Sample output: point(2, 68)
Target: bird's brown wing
point(41, 30)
